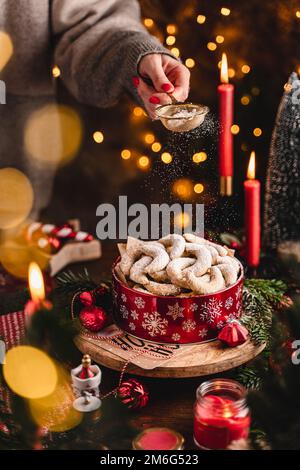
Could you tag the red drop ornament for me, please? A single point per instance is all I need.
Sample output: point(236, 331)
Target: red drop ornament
point(233, 334)
point(93, 318)
point(86, 298)
point(133, 394)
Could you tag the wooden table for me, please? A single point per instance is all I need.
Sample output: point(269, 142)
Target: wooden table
point(171, 400)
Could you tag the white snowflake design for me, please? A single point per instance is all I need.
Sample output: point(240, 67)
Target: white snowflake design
point(228, 303)
point(188, 325)
point(239, 292)
point(134, 314)
point(132, 326)
point(220, 325)
point(124, 311)
point(231, 317)
point(139, 302)
point(176, 336)
point(193, 307)
point(124, 298)
point(203, 333)
point(211, 310)
point(155, 324)
point(175, 311)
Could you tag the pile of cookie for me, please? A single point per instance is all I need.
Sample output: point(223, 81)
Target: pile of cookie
point(177, 265)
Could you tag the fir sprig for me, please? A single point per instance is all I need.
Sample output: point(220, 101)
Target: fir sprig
point(69, 282)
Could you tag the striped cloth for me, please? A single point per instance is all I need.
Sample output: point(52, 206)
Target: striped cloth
point(12, 332)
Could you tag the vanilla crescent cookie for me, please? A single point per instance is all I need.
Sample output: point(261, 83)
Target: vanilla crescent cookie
point(190, 237)
point(137, 270)
point(159, 255)
point(162, 289)
point(200, 286)
point(229, 272)
point(160, 276)
point(176, 273)
point(203, 258)
point(177, 244)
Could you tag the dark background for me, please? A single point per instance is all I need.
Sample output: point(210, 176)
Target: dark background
point(263, 35)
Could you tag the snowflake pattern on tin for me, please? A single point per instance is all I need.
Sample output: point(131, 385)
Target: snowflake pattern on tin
point(211, 310)
point(176, 336)
point(175, 311)
point(188, 325)
point(239, 292)
point(123, 298)
point(139, 302)
point(154, 324)
point(228, 303)
point(134, 314)
point(124, 311)
point(203, 332)
point(132, 326)
point(193, 307)
point(220, 325)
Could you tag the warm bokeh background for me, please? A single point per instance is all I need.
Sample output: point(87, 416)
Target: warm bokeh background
point(262, 43)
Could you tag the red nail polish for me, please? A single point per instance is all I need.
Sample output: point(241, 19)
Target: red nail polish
point(166, 87)
point(154, 100)
point(136, 81)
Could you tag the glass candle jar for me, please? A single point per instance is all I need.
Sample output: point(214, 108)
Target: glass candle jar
point(221, 414)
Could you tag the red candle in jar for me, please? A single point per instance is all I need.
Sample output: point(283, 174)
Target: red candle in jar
point(158, 439)
point(226, 94)
point(221, 415)
point(252, 215)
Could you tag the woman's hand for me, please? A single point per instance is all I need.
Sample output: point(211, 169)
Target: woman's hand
point(168, 75)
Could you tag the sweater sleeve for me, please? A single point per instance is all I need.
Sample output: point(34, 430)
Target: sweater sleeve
point(99, 44)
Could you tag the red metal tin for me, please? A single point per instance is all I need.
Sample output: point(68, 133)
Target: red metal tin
point(179, 320)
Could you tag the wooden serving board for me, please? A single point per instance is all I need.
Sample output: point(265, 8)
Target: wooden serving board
point(191, 361)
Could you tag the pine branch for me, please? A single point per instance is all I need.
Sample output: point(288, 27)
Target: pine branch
point(68, 282)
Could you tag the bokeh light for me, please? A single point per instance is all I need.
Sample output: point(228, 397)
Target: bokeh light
point(16, 198)
point(231, 72)
point(175, 51)
point(148, 22)
point(98, 137)
point(255, 91)
point(6, 49)
point(29, 372)
point(201, 19)
point(199, 157)
point(182, 220)
point(245, 100)
point(220, 39)
point(56, 72)
point(190, 63)
point(235, 129)
point(138, 111)
point(126, 154)
point(211, 46)
point(171, 29)
point(198, 188)
point(55, 412)
point(170, 40)
point(53, 134)
point(225, 11)
point(298, 13)
point(257, 132)
point(183, 188)
point(156, 147)
point(246, 68)
point(149, 138)
point(143, 162)
point(166, 157)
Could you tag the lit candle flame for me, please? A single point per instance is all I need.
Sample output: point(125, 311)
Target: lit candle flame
point(36, 283)
point(224, 69)
point(251, 167)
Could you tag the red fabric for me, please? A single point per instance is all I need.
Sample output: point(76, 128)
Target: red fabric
point(12, 332)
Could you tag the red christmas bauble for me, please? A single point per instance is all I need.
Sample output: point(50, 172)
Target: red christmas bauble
point(86, 298)
point(93, 318)
point(133, 394)
point(233, 334)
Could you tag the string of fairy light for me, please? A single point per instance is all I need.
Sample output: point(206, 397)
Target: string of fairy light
point(183, 187)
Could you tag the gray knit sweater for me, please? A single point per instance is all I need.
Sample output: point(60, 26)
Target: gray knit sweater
point(96, 43)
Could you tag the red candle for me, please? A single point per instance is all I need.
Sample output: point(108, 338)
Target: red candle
point(221, 414)
point(225, 92)
point(252, 215)
point(158, 439)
